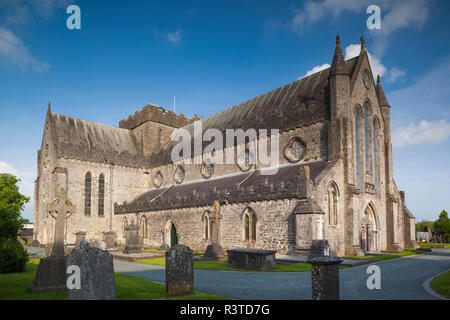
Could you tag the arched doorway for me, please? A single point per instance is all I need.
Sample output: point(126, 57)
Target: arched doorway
point(369, 231)
point(171, 237)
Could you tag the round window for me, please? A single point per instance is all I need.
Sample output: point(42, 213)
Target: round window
point(295, 150)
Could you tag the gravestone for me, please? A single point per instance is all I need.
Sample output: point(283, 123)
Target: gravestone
point(51, 272)
point(255, 259)
point(319, 248)
point(97, 280)
point(98, 244)
point(132, 239)
point(179, 271)
point(80, 236)
point(215, 250)
point(109, 237)
point(324, 273)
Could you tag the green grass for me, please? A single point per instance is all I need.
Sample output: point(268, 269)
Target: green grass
point(223, 266)
point(382, 257)
point(429, 245)
point(14, 287)
point(441, 284)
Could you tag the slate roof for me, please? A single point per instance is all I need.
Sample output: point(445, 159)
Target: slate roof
point(302, 102)
point(307, 206)
point(299, 103)
point(253, 186)
point(91, 141)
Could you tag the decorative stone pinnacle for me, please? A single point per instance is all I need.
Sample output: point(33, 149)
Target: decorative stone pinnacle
point(338, 40)
point(378, 79)
point(363, 43)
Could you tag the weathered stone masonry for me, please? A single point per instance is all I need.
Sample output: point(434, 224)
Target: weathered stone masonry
point(334, 176)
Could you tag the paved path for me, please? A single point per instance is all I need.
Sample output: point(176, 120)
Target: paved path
point(401, 278)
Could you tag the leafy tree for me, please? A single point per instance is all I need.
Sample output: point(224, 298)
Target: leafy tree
point(12, 202)
point(443, 224)
point(423, 226)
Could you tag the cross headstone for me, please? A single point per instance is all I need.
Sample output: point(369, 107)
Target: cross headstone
point(51, 272)
point(215, 250)
point(179, 271)
point(96, 273)
point(60, 209)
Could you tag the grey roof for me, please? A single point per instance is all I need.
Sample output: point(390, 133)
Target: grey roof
point(91, 141)
point(294, 105)
point(231, 189)
point(307, 206)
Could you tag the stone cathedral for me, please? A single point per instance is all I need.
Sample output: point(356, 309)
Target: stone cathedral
point(334, 179)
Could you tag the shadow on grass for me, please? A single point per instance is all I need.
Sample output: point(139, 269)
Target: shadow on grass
point(14, 286)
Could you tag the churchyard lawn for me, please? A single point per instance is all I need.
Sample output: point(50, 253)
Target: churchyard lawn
point(223, 266)
point(441, 284)
point(14, 287)
point(432, 244)
point(389, 256)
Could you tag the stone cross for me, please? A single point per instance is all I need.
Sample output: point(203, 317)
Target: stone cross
point(214, 250)
point(60, 209)
point(215, 222)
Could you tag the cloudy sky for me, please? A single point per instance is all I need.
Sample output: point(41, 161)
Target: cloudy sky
point(214, 54)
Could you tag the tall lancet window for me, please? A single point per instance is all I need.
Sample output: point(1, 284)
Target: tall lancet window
point(366, 137)
point(87, 193)
point(101, 195)
point(375, 161)
point(357, 143)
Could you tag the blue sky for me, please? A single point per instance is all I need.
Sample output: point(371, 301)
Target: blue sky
point(214, 54)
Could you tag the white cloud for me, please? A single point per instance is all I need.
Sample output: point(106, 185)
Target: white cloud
point(425, 132)
point(174, 37)
point(13, 53)
point(395, 74)
point(20, 12)
point(316, 69)
point(314, 11)
point(378, 68)
point(395, 14)
point(7, 168)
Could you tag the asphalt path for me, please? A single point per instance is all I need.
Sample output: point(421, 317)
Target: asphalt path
point(400, 279)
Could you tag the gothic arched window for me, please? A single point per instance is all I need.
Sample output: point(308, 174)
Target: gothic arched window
point(332, 204)
point(249, 225)
point(143, 227)
point(366, 135)
point(101, 195)
point(87, 193)
point(375, 159)
point(206, 226)
point(357, 144)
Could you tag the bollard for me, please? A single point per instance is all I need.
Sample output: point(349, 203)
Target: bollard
point(325, 277)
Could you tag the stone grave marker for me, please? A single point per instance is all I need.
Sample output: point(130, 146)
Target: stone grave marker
point(215, 250)
point(179, 271)
point(96, 267)
point(51, 272)
point(132, 238)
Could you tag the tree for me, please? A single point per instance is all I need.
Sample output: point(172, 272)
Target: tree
point(443, 224)
point(12, 202)
point(423, 226)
